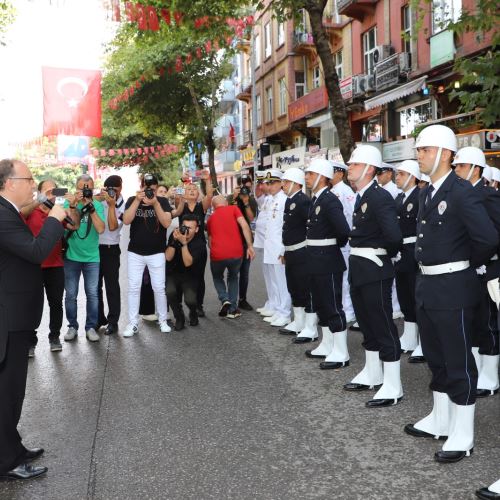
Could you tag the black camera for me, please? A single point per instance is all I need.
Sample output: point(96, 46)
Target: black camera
point(183, 229)
point(111, 192)
point(87, 192)
point(149, 180)
point(90, 209)
point(245, 190)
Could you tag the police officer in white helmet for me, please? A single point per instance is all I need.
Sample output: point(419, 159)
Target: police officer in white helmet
point(469, 163)
point(454, 236)
point(375, 238)
point(385, 179)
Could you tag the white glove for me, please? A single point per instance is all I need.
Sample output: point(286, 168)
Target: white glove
point(397, 258)
point(481, 270)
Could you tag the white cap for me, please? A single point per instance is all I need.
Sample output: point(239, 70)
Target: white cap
point(411, 166)
point(495, 174)
point(438, 136)
point(366, 154)
point(322, 167)
point(488, 173)
point(338, 164)
point(470, 155)
point(273, 174)
point(425, 178)
point(388, 166)
point(260, 174)
point(294, 174)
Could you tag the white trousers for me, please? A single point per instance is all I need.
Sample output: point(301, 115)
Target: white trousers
point(156, 266)
point(279, 299)
point(346, 292)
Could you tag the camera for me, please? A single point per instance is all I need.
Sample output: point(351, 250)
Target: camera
point(245, 190)
point(149, 180)
point(87, 192)
point(183, 229)
point(111, 192)
point(90, 209)
point(180, 191)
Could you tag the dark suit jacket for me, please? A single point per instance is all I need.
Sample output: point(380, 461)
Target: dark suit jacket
point(407, 217)
point(21, 254)
point(375, 225)
point(294, 226)
point(326, 220)
point(454, 226)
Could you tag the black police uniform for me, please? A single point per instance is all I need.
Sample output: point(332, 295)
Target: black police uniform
point(325, 264)
point(294, 233)
point(375, 226)
point(452, 226)
point(406, 267)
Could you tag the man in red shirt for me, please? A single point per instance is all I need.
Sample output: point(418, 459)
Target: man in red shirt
point(52, 270)
point(226, 252)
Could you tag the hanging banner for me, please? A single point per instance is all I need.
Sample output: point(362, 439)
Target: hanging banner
point(290, 158)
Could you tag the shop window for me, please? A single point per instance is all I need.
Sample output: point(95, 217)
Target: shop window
point(369, 45)
point(372, 130)
point(414, 115)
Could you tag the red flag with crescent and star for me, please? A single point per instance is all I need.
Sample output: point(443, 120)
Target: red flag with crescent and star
point(71, 102)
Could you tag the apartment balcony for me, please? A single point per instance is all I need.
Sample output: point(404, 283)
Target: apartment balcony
point(243, 45)
point(332, 20)
point(357, 9)
point(244, 90)
point(244, 139)
point(303, 43)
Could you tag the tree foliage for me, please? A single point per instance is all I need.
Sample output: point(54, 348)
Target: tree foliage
point(7, 16)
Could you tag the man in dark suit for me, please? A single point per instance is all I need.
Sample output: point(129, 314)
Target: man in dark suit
point(375, 239)
point(21, 306)
point(454, 236)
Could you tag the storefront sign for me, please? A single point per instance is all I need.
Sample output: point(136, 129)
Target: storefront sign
point(398, 150)
point(247, 154)
point(346, 87)
point(289, 158)
point(486, 140)
point(316, 100)
point(335, 155)
point(442, 48)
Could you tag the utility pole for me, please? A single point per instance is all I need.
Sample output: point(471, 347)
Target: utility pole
point(254, 101)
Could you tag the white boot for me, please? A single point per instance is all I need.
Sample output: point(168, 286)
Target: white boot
point(372, 374)
point(495, 487)
point(438, 421)
point(339, 354)
point(417, 356)
point(270, 319)
point(325, 347)
point(391, 388)
point(409, 339)
point(477, 358)
point(299, 320)
point(488, 376)
point(310, 330)
point(461, 435)
point(267, 312)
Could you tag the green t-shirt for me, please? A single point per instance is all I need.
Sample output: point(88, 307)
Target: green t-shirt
point(81, 248)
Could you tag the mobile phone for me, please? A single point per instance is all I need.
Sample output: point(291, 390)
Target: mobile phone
point(179, 190)
point(59, 191)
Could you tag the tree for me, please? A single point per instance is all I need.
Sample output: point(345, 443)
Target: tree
point(7, 16)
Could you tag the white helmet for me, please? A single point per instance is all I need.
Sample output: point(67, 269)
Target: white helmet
point(366, 154)
point(410, 166)
point(294, 174)
point(322, 167)
point(488, 173)
point(438, 136)
point(338, 164)
point(471, 155)
point(425, 178)
point(495, 173)
point(388, 166)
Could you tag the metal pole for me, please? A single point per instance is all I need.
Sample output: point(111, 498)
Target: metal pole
point(254, 103)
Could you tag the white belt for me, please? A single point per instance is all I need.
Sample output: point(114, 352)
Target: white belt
point(370, 254)
point(321, 243)
point(291, 248)
point(495, 257)
point(449, 267)
point(410, 239)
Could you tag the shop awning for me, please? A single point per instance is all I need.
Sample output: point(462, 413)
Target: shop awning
point(394, 94)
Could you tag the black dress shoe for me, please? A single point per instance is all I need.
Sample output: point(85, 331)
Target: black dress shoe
point(333, 365)
point(243, 304)
point(200, 312)
point(193, 319)
point(382, 403)
point(284, 331)
point(355, 328)
point(359, 387)
point(413, 431)
point(484, 393)
point(33, 454)
point(302, 340)
point(110, 329)
point(450, 457)
point(416, 359)
point(309, 354)
point(180, 323)
point(24, 471)
point(486, 494)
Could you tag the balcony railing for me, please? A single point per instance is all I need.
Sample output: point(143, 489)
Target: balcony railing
point(356, 9)
point(303, 42)
point(244, 89)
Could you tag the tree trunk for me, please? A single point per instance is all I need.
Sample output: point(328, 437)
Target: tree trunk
point(210, 145)
point(340, 118)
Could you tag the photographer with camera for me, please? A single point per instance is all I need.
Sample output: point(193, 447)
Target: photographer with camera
point(149, 217)
point(82, 257)
point(109, 252)
point(184, 256)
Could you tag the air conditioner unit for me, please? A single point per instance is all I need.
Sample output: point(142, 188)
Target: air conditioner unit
point(356, 85)
point(404, 62)
point(381, 52)
point(367, 83)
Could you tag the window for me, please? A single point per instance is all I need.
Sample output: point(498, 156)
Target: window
point(337, 60)
point(283, 100)
point(267, 40)
point(414, 115)
point(257, 51)
point(300, 84)
point(406, 28)
point(281, 33)
point(269, 101)
point(259, 110)
point(316, 77)
point(369, 44)
point(444, 11)
point(372, 130)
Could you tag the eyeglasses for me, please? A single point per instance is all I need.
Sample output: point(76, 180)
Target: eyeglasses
point(22, 178)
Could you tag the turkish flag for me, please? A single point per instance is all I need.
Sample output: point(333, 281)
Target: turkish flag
point(71, 102)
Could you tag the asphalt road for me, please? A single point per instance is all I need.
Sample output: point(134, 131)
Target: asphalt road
point(230, 410)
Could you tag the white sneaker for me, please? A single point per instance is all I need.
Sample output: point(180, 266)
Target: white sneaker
point(150, 317)
point(71, 334)
point(92, 335)
point(164, 328)
point(131, 330)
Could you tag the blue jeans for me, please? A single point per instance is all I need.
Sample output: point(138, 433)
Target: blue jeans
point(229, 293)
point(72, 272)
